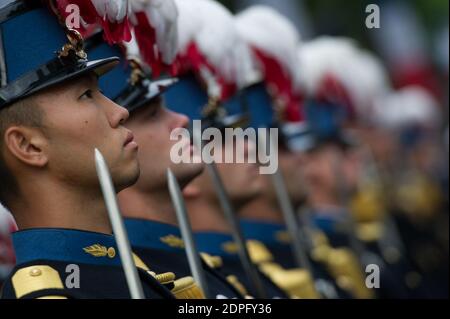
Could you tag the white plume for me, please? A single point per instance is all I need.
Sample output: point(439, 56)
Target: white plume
point(360, 72)
point(211, 26)
point(267, 30)
point(114, 10)
point(163, 17)
point(407, 106)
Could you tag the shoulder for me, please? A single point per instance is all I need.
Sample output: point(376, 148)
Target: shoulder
point(34, 282)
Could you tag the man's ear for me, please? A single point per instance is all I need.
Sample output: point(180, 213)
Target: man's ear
point(27, 145)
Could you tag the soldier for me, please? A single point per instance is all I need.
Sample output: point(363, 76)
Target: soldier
point(211, 69)
point(52, 117)
point(345, 83)
point(275, 102)
point(150, 216)
point(413, 199)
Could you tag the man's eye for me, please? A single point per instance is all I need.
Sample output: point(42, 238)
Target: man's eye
point(88, 94)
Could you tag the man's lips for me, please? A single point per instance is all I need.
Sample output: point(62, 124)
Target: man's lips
point(129, 139)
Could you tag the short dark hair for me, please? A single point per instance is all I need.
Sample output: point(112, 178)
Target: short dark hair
point(25, 112)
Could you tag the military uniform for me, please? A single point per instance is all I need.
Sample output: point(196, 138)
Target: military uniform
point(277, 240)
point(196, 108)
point(275, 237)
point(44, 259)
point(160, 246)
point(223, 246)
point(31, 62)
point(327, 114)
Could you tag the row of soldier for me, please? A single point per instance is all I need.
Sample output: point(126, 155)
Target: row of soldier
point(308, 231)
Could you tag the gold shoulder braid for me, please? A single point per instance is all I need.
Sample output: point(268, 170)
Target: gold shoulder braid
point(234, 281)
point(296, 283)
point(369, 231)
point(186, 288)
point(35, 278)
point(346, 269)
point(343, 266)
point(258, 252)
point(139, 263)
point(213, 262)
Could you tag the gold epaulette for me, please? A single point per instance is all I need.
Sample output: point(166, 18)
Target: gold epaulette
point(213, 262)
point(347, 271)
point(369, 232)
point(343, 266)
point(139, 263)
point(35, 278)
point(183, 288)
point(321, 247)
point(258, 252)
point(234, 281)
point(186, 288)
point(296, 283)
point(368, 204)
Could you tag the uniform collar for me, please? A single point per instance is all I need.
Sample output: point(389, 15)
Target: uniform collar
point(265, 232)
point(66, 245)
point(216, 244)
point(155, 235)
point(329, 220)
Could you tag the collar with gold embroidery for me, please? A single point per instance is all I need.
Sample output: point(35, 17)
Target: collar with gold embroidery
point(65, 245)
point(268, 233)
point(216, 244)
point(155, 235)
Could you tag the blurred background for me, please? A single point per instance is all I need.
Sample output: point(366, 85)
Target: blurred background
point(413, 44)
point(414, 32)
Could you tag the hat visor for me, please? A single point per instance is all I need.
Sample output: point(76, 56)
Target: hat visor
point(96, 67)
point(154, 90)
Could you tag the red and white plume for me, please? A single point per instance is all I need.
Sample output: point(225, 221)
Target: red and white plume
point(152, 22)
point(274, 41)
point(336, 70)
point(409, 106)
point(111, 15)
point(210, 47)
point(155, 29)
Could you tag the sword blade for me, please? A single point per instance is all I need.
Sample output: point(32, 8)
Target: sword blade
point(120, 233)
point(186, 231)
point(238, 238)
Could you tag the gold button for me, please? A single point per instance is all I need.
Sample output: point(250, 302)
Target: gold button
point(35, 272)
point(111, 252)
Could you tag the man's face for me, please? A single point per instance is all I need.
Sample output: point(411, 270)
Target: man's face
point(241, 180)
point(78, 119)
point(290, 164)
point(332, 170)
point(319, 169)
point(152, 126)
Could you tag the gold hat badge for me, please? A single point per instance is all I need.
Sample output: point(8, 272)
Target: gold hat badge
point(75, 45)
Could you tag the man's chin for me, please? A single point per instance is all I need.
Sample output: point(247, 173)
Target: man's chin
point(127, 179)
point(186, 173)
